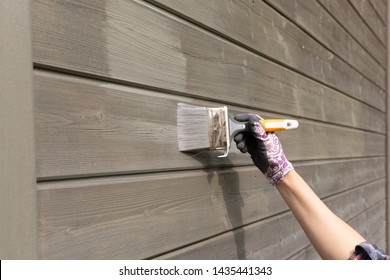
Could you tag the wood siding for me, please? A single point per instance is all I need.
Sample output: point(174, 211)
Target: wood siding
point(107, 79)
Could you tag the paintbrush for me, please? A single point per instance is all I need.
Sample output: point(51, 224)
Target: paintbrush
point(206, 128)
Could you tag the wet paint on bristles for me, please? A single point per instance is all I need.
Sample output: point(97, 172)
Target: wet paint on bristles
point(201, 128)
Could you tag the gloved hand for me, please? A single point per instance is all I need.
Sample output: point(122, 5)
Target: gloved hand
point(264, 147)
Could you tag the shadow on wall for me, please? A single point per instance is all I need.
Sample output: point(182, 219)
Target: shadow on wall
point(228, 182)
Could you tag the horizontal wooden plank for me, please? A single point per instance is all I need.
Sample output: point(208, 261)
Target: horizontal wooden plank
point(133, 216)
point(237, 19)
point(366, 223)
point(321, 25)
point(379, 237)
point(329, 177)
point(372, 223)
point(367, 12)
point(85, 127)
point(250, 22)
point(104, 218)
point(275, 238)
point(364, 198)
point(308, 100)
point(139, 43)
point(381, 9)
point(351, 20)
point(308, 253)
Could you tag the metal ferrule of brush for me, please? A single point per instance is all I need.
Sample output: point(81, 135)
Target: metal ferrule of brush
point(231, 128)
point(218, 128)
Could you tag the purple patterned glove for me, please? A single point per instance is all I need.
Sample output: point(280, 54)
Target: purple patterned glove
point(265, 149)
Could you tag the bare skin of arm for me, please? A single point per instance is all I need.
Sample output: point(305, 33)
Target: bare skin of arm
point(332, 238)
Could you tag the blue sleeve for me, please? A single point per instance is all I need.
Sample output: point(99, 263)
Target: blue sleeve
point(368, 251)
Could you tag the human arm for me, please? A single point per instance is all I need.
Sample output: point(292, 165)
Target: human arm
point(332, 238)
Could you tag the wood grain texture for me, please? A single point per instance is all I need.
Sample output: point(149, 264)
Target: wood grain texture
point(276, 238)
point(259, 27)
point(18, 238)
point(343, 173)
point(256, 25)
point(367, 12)
point(315, 20)
point(379, 237)
point(109, 126)
point(377, 233)
point(308, 253)
point(368, 223)
point(85, 128)
point(344, 12)
point(134, 216)
point(381, 9)
point(140, 44)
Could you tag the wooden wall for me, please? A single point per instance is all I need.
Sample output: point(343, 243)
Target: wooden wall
point(108, 76)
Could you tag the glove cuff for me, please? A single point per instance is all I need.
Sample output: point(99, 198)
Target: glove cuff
point(277, 173)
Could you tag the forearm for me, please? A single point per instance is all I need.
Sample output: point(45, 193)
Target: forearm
point(332, 237)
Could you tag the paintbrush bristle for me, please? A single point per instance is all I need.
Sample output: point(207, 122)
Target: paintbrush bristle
point(201, 128)
point(192, 127)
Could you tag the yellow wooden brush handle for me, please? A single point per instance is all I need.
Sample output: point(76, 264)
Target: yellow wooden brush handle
point(271, 125)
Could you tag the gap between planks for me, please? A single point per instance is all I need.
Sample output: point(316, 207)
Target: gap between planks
point(123, 85)
point(228, 42)
point(171, 253)
point(302, 27)
point(213, 31)
point(123, 175)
